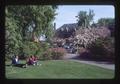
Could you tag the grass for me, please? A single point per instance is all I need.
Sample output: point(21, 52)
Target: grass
point(59, 69)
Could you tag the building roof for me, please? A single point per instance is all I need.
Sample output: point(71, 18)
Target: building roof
point(67, 27)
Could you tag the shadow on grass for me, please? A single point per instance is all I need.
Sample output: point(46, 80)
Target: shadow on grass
point(17, 65)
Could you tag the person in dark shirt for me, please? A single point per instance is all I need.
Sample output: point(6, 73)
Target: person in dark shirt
point(15, 60)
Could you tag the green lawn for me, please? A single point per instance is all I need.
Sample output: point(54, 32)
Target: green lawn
point(60, 69)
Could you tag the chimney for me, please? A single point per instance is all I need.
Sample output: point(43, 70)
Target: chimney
point(54, 26)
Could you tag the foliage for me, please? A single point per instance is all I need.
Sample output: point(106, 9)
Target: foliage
point(94, 25)
point(82, 50)
point(84, 37)
point(33, 48)
point(102, 48)
point(84, 53)
point(39, 18)
point(23, 22)
point(84, 19)
point(57, 53)
point(54, 53)
point(106, 22)
point(30, 48)
point(97, 49)
point(13, 37)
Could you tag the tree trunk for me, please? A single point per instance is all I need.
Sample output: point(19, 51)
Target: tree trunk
point(34, 38)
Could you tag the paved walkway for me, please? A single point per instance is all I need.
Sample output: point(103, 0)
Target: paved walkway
point(102, 64)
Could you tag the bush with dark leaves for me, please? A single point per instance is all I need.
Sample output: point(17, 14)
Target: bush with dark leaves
point(102, 48)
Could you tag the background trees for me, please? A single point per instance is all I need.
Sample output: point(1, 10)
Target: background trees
point(93, 39)
point(84, 19)
point(106, 22)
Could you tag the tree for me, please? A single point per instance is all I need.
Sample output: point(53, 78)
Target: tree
point(23, 22)
point(81, 18)
point(90, 17)
point(84, 19)
point(106, 22)
point(13, 37)
point(94, 25)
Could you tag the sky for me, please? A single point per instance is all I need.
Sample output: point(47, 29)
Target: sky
point(66, 13)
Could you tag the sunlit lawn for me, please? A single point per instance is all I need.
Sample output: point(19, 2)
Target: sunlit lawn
point(59, 69)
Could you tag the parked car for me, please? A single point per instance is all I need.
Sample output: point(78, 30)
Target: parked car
point(66, 46)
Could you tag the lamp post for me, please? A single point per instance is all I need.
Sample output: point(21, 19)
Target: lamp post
point(77, 47)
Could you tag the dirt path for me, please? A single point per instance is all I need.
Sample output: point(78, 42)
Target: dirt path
point(102, 64)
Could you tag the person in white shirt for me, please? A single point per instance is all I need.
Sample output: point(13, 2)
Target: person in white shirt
point(16, 59)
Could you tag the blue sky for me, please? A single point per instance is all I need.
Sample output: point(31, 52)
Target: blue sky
point(67, 13)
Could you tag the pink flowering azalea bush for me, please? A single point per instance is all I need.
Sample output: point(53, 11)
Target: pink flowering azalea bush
point(87, 36)
point(54, 54)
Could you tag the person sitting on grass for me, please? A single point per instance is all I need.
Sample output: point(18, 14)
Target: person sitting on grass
point(35, 60)
point(29, 61)
point(15, 60)
point(32, 60)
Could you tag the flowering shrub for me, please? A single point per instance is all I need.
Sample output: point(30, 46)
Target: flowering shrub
point(54, 53)
point(46, 56)
point(87, 36)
